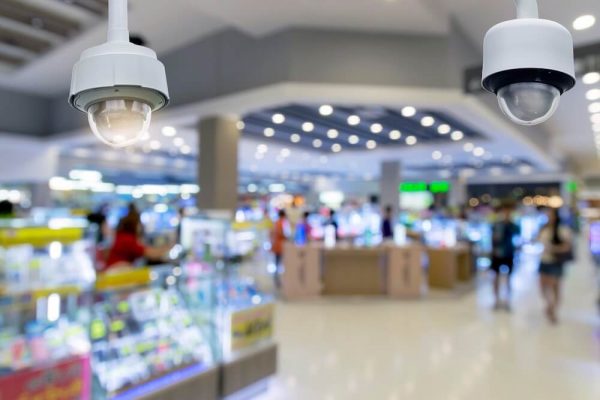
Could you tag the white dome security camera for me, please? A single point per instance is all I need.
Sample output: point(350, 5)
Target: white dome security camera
point(119, 84)
point(528, 63)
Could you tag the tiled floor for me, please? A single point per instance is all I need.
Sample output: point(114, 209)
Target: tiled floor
point(443, 347)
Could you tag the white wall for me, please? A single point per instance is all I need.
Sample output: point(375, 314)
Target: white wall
point(24, 160)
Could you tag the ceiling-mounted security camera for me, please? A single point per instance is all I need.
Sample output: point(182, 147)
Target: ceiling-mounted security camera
point(119, 84)
point(528, 63)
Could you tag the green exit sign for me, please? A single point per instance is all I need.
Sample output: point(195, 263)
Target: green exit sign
point(439, 187)
point(571, 186)
point(413, 187)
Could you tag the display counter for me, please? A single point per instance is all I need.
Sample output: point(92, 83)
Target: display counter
point(386, 270)
point(449, 266)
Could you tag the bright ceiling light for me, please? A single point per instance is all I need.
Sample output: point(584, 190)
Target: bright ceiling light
point(409, 112)
point(308, 127)
point(178, 142)
point(326, 110)
point(169, 131)
point(185, 149)
point(411, 140)
point(262, 148)
point(332, 133)
point(240, 125)
point(591, 78)
point(376, 128)
point(155, 145)
point(353, 120)
point(457, 135)
point(395, 134)
point(295, 138)
point(436, 155)
point(584, 22)
point(353, 139)
point(371, 144)
point(593, 94)
point(525, 169)
point(285, 152)
point(594, 108)
point(596, 128)
point(468, 147)
point(427, 121)
point(595, 118)
point(118, 84)
point(252, 188)
point(278, 118)
point(478, 151)
point(269, 132)
point(336, 147)
point(317, 143)
point(444, 129)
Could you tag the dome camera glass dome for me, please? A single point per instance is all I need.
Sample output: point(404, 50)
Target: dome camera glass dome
point(119, 123)
point(528, 103)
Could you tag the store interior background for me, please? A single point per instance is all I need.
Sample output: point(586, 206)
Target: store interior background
point(351, 105)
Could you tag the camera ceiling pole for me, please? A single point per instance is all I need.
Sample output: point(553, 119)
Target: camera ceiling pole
point(118, 30)
point(527, 9)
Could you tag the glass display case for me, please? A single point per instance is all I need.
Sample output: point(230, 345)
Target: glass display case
point(145, 336)
point(45, 272)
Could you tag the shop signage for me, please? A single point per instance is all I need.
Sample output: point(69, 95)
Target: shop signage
point(65, 380)
point(251, 326)
point(587, 59)
point(433, 187)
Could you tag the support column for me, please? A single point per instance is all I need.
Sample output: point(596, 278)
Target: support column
point(458, 193)
point(41, 195)
point(218, 164)
point(389, 183)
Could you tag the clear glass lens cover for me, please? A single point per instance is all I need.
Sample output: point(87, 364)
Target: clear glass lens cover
point(119, 123)
point(528, 103)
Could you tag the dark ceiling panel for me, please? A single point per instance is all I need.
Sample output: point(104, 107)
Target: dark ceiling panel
point(29, 43)
point(37, 17)
point(98, 7)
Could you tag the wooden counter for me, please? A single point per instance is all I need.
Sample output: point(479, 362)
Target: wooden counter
point(448, 266)
point(354, 271)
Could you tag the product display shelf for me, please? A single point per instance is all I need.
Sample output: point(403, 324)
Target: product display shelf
point(45, 276)
point(146, 341)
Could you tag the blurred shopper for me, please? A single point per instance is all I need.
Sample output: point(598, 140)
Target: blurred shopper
point(99, 223)
point(504, 233)
point(7, 209)
point(128, 248)
point(278, 239)
point(557, 242)
point(332, 220)
point(303, 232)
point(387, 228)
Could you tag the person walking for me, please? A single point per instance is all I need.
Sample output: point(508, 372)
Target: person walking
point(557, 241)
point(278, 239)
point(504, 233)
point(387, 229)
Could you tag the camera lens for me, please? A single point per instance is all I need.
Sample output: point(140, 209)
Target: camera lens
point(528, 103)
point(119, 123)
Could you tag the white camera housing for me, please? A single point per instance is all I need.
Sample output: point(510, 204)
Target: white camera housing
point(528, 63)
point(119, 84)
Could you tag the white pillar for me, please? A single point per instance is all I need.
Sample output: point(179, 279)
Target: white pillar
point(389, 183)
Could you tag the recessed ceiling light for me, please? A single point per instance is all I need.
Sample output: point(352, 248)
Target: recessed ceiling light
point(409, 112)
point(478, 151)
point(468, 147)
point(240, 125)
point(371, 144)
point(336, 147)
point(584, 22)
point(295, 138)
point(411, 140)
point(427, 121)
point(252, 188)
point(169, 131)
point(591, 78)
point(353, 120)
point(376, 128)
point(269, 132)
point(593, 94)
point(317, 143)
point(185, 149)
point(332, 133)
point(525, 169)
point(444, 129)
point(457, 135)
point(178, 141)
point(594, 108)
point(395, 134)
point(596, 128)
point(262, 148)
point(155, 145)
point(285, 152)
point(278, 118)
point(308, 127)
point(595, 118)
point(353, 139)
point(325, 110)
point(436, 155)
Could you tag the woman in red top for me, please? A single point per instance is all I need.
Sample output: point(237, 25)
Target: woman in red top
point(127, 247)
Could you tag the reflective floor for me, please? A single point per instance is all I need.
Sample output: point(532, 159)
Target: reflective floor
point(446, 347)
